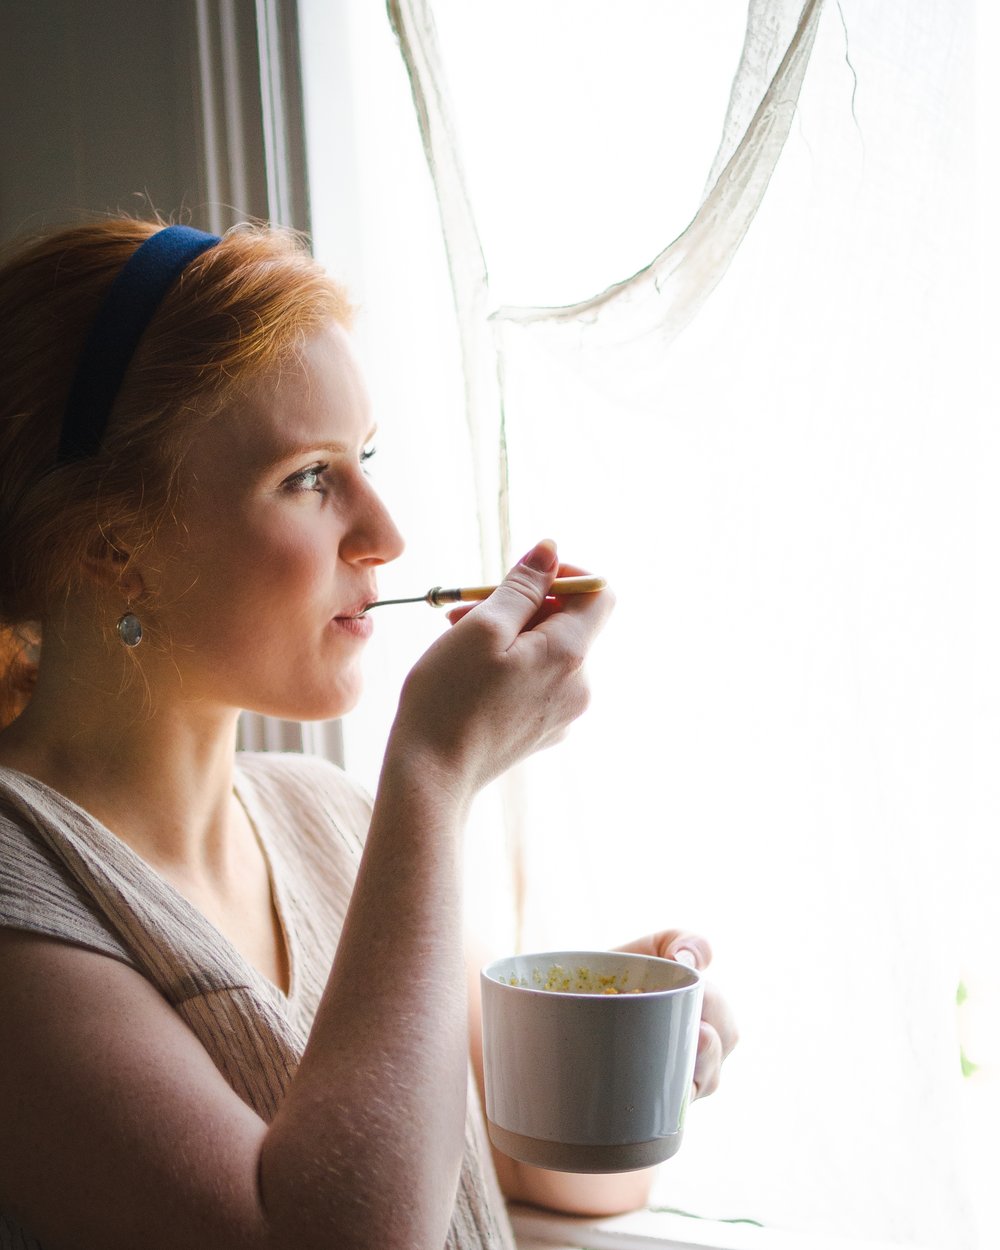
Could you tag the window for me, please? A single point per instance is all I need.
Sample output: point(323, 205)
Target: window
point(791, 745)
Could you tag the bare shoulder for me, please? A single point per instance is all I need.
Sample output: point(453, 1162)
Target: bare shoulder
point(118, 1129)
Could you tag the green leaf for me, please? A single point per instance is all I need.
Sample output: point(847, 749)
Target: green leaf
point(968, 1067)
point(962, 994)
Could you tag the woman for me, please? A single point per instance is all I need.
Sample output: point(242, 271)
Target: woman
point(187, 525)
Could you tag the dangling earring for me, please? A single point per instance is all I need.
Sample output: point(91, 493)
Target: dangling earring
point(129, 628)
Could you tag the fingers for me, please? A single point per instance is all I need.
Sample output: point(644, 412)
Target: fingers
point(686, 948)
point(522, 592)
point(717, 1036)
point(708, 1065)
point(715, 1012)
point(521, 578)
point(678, 944)
point(549, 607)
point(551, 604)
point(518, 616)
point(717, 1033)
point(454, 615)
point(507, 680)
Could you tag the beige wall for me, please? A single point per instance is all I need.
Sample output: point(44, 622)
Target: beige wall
point(119, 104)
point(98, 104)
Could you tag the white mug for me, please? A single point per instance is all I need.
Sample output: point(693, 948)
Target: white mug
point(589, 1057)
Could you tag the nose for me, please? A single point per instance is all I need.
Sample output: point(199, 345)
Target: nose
point(372, 537)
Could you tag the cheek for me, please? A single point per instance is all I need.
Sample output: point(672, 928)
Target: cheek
point(287, 558)
point(247, 570)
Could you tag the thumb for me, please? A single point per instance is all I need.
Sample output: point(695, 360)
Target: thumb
point(690, 949)
point(523, 590)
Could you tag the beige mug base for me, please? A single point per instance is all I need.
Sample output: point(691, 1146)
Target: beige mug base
point(564, 1157)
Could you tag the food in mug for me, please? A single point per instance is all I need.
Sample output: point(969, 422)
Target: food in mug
point(579, 981)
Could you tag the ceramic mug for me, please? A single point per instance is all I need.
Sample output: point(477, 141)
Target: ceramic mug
point(589, 1057)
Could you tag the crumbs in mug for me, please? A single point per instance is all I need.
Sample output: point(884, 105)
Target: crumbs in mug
point(578, 981)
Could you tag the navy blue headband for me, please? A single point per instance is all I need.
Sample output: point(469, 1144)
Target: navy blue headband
point(128, 308)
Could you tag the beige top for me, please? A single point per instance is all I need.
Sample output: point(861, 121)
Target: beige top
point(64, 874)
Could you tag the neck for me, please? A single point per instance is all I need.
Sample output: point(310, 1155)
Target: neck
point(154, 767)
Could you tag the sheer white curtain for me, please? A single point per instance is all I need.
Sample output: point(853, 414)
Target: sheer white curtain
point(793, 737)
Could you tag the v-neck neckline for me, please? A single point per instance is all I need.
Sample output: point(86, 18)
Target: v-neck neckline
point(241, 785)
point(243, 793)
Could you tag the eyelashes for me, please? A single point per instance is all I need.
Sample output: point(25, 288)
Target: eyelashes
point(312, 479)
point(307, 479)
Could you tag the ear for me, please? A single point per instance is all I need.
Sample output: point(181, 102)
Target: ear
point(107, 564)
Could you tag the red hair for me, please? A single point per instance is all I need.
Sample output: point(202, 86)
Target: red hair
point(239, 310)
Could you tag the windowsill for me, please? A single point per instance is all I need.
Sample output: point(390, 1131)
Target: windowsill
point(659, 1230)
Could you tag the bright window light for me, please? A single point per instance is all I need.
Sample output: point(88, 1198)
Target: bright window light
point(795, 726)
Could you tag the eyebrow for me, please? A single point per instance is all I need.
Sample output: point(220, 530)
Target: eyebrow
point(303, 449)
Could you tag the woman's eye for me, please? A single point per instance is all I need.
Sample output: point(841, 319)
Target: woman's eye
point(308, 479)
point(315, 478)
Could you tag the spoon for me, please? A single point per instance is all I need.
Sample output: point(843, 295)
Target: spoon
point(437, 595)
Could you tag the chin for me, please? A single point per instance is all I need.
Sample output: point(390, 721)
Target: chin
point(315, 705)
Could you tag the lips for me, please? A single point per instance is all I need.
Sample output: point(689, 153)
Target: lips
point(357, 609)
point(357, 626)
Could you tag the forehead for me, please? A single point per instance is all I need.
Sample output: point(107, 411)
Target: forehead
point(316, 397)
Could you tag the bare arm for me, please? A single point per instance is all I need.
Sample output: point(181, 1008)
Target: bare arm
point(101, 1082)
point(110, 1109)
point(380, 1094)
point(118, 1131)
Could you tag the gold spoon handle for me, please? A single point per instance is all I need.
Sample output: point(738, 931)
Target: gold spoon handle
point(472, 594)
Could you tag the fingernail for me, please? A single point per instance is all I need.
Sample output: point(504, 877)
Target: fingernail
point(685, 956)
point(542, 557)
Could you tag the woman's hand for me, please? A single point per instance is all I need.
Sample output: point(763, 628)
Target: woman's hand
point(505, 681)
point(717, 1035)
point(603, 1195)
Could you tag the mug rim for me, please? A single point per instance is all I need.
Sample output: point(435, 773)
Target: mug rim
point(488, 973)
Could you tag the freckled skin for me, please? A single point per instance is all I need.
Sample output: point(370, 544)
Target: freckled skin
point(248, 582)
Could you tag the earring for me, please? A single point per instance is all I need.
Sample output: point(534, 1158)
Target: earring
point(129, 628)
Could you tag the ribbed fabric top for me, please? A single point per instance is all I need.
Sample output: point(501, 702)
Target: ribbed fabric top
point(64, 874)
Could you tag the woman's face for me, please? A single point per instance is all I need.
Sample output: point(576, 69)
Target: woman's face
point(276, 544)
